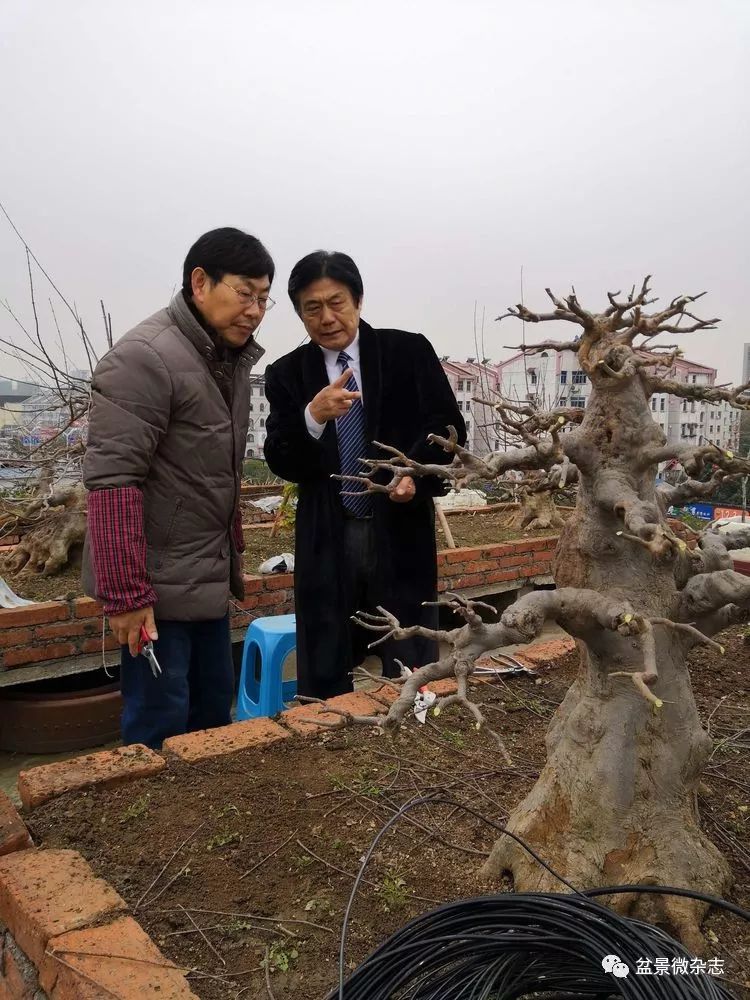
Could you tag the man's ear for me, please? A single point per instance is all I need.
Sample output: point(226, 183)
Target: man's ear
point(199, 283)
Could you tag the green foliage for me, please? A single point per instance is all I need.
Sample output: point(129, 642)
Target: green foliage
point(223, 839)
point(454, 737)
point(696, 523)
point(281, 956)
point(255, 470)
point(393, 892)
point(136, 809)
point(288, 510)
point(226, 810)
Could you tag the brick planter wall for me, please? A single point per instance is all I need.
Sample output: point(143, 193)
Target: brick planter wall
point(61, 925)
point(59, 630)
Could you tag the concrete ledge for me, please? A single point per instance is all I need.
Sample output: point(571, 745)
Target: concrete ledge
point(13, 833)
point(46, 893)
point(209, 743)
point(545, 655)
point(109, 767)
point(302, 718)
point(90, 970)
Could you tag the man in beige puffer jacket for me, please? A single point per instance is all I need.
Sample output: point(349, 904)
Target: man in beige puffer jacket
point(166, 442)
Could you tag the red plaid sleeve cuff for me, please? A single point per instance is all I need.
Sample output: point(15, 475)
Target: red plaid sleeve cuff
point(237, 532)
point(118, 549)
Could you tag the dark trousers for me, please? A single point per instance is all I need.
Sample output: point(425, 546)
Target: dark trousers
point(194, 690)
point(360, 555)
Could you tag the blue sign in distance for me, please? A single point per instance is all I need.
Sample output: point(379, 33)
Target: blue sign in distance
point(705, 511)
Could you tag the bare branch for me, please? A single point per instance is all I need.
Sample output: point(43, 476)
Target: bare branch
point(705, 393)
point(545, 345)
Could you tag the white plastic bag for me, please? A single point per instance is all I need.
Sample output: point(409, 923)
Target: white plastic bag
point(278, 564)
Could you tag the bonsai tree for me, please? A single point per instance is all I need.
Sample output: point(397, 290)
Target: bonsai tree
point(617, 799)
point(48, 511)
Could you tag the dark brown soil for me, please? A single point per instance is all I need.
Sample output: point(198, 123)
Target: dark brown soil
point(287, 815)
point(467, 529)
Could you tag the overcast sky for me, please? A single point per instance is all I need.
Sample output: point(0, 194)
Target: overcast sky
point(443, 145)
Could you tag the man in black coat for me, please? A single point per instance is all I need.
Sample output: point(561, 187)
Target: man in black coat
point(330, 399)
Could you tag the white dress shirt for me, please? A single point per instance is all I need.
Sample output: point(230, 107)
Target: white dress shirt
point(334, 371)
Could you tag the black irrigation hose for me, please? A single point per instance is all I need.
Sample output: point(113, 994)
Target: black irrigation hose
point(516, 945)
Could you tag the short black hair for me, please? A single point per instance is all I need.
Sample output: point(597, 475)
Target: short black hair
point(324, 264)
point(227, 251)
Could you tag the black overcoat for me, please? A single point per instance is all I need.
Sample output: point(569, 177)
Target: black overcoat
point(406, 396)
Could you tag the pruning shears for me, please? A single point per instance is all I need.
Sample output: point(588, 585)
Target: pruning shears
point(146, 649)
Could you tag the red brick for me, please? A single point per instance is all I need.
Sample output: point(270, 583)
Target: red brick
point(108, 767)
point(443, 687)
point(516, 559)
point(470, 580)
point(481, 565)
point(279, 581)
point(72, 629)
point(543, 655)
point(253, 584)
point(502, 575)
point(460, 555)
point(46, 893)
point(249, 603)
point(34, 614)
point(36, 654)
point(542, 543)
point(441, 559)
point(16, 637)
point(85, 607)
point(103, 976)
point(496, 551)
point(272, 598)
point(357, 702)
point(384, 693)
point(227, 739)
point(13, 833)
point(95, 645)
point(19, 977)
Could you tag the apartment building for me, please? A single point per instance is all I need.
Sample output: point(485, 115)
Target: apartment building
point(473, 382)
point(688, 421)
point(256, 428)
point(555, 379)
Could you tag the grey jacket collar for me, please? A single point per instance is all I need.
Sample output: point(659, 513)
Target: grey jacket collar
point(189, 326)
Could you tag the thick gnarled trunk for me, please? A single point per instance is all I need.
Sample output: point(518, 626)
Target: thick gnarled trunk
point(617, 800)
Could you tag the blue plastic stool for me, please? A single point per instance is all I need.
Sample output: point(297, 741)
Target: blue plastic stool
point(262, 690)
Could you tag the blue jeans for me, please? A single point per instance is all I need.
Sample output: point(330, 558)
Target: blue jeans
point(194, 690)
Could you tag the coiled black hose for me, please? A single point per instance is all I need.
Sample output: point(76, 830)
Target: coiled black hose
point(521, 945)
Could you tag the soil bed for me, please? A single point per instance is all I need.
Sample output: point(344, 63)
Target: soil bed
point(269, 829)
point(467, 529)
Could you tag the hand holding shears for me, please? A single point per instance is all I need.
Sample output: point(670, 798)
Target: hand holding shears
point(146, 648)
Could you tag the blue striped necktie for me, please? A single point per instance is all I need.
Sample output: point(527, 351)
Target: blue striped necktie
point(350, 429)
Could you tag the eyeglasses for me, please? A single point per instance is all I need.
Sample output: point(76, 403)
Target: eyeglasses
point(265, 302)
